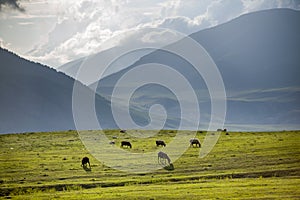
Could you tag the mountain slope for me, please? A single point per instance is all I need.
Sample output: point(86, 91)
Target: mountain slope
point(256, 45)
point(258, 57)
point(36, 98)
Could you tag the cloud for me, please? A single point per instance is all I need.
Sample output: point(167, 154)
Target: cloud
point(4, 44)
point(14, 4)
point(25, 23)
point(251, 6)
point(224, 10)
point(279, 95)
point(85, 26)
point(82, 26)
point(164, 36)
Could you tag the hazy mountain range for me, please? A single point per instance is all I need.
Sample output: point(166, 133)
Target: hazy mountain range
point(257, 55)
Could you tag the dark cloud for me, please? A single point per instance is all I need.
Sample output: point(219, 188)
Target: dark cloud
point(14, 4)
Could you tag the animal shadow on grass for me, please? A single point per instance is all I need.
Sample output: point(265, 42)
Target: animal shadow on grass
point(169, 167)
point(86, 168)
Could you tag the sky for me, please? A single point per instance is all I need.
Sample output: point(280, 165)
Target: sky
point(54, 32)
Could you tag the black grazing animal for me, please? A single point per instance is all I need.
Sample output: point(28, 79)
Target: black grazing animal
point(160, 142)
point(122, 131)
point(125, 143)
point(195, 141)
point(85, 161)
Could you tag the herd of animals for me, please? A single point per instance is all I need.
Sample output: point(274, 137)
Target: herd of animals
point(162, 157)
point(193, 141)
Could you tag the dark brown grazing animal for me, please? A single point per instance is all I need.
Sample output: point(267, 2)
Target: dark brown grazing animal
point(195, 141)
point(125, 143)
point(85, 161)
point(122, 131)
point(160, 142)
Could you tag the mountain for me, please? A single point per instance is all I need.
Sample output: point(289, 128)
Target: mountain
point(34, 98)
point(257, 55)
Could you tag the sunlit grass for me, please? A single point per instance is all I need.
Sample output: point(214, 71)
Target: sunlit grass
point(242, 165)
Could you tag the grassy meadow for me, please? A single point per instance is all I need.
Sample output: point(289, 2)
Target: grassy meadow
point(242, 165)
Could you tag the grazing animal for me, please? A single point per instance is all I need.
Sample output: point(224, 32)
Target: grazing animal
point(114, 137)
point(112, 142)
point(122, 131)
point(195, 141)
point(160, 142)
point(126, 143)
point(85, 161)
point(163, 157)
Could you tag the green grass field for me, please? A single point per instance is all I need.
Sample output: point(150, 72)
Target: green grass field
point(248, 165)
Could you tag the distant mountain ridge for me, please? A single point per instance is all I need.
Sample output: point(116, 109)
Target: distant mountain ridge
point(258, 57)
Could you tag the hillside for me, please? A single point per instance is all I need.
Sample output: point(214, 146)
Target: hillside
point(36, 98)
